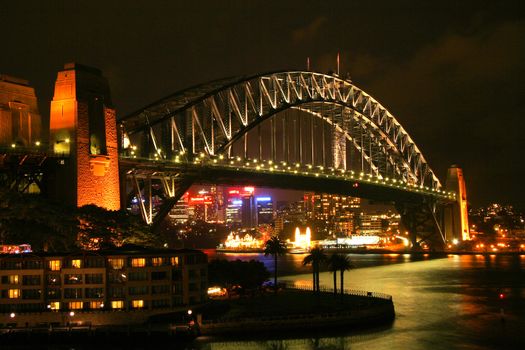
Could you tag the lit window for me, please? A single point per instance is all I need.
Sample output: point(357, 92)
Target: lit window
point(96, 305)
point(137, 304)
point(157, 261)
point(14, 293)
point(54, 305)
point(75, 305)
point(116, 263)
point(117, 304)
point(138, 262)
point(174, 261)
point(54, 265)
point(75, 263)
point(13, 279)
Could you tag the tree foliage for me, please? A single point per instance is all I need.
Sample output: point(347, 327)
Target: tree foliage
point(341, 263)
point(31, 219)
point(275, 247)
point(315, 258)
point(98, 227)
point(45, 225)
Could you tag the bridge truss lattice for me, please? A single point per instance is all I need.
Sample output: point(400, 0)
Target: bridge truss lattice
point(306, 119)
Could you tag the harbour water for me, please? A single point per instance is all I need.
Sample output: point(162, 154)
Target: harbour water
point(453, 302)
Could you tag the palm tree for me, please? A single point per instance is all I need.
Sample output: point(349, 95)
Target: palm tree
point(344, 264)
point(316, 257)
point(275, 246)
point(333, 265)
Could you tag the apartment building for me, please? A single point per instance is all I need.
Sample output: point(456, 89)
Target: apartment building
point(128, 278)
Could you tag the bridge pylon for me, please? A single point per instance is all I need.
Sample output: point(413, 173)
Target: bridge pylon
point(456, 213)
point(83, 133)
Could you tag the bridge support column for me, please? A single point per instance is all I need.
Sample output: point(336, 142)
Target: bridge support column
point(456, 214)
point(83, 130)
point(422, 224)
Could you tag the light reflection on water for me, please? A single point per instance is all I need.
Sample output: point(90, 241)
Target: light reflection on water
point(444, 303)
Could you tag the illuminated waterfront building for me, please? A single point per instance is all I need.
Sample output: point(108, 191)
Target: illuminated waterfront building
point(324, 206)
point(116, 279)
point(345, 225)
point(302, 240)
point(370, 224)
point(234, 241)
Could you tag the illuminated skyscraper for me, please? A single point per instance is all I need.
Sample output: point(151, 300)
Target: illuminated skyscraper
point(325, 206)
point(233, 211)
point(180, 213)
point(248, 211)
point(264, 210)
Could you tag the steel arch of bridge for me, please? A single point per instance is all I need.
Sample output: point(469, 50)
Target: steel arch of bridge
point(204, 122)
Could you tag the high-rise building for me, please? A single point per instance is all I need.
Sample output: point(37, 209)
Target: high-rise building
point(325, 206)
point(233, 211)
point(370, 224)
point(180, 213)
point(264, 210)
point(248, 211)
point(201, 206)
point(279, 224)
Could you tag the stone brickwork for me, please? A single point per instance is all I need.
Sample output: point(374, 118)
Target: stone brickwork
point(83, 127)
point(97, 175)
point(20, 121)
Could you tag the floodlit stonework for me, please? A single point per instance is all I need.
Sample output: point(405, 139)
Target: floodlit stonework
point(83, 128)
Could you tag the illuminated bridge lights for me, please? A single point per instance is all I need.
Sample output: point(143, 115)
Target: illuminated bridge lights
point(259, 165)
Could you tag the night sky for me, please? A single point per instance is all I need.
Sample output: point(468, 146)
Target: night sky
point(452, 72)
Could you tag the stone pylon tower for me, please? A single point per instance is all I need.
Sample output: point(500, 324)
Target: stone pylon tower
point(456, 214)
point(83, 131)
point(20, 121)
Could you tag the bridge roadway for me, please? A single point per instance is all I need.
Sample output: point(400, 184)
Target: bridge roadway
point(237, 171)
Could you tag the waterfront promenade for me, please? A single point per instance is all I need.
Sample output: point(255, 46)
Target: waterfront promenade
point(290, 309)
point(297, 308)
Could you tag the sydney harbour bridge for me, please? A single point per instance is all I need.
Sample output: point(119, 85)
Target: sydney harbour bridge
point(291, 129)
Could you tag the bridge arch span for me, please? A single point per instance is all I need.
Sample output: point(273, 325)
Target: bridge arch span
point(206, 121)
point(216, 114)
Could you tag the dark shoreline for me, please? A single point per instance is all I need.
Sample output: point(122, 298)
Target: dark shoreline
point(382, 251)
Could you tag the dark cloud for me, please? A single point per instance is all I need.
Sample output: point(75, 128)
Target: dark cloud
point(462, 100)
point(308, 33)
